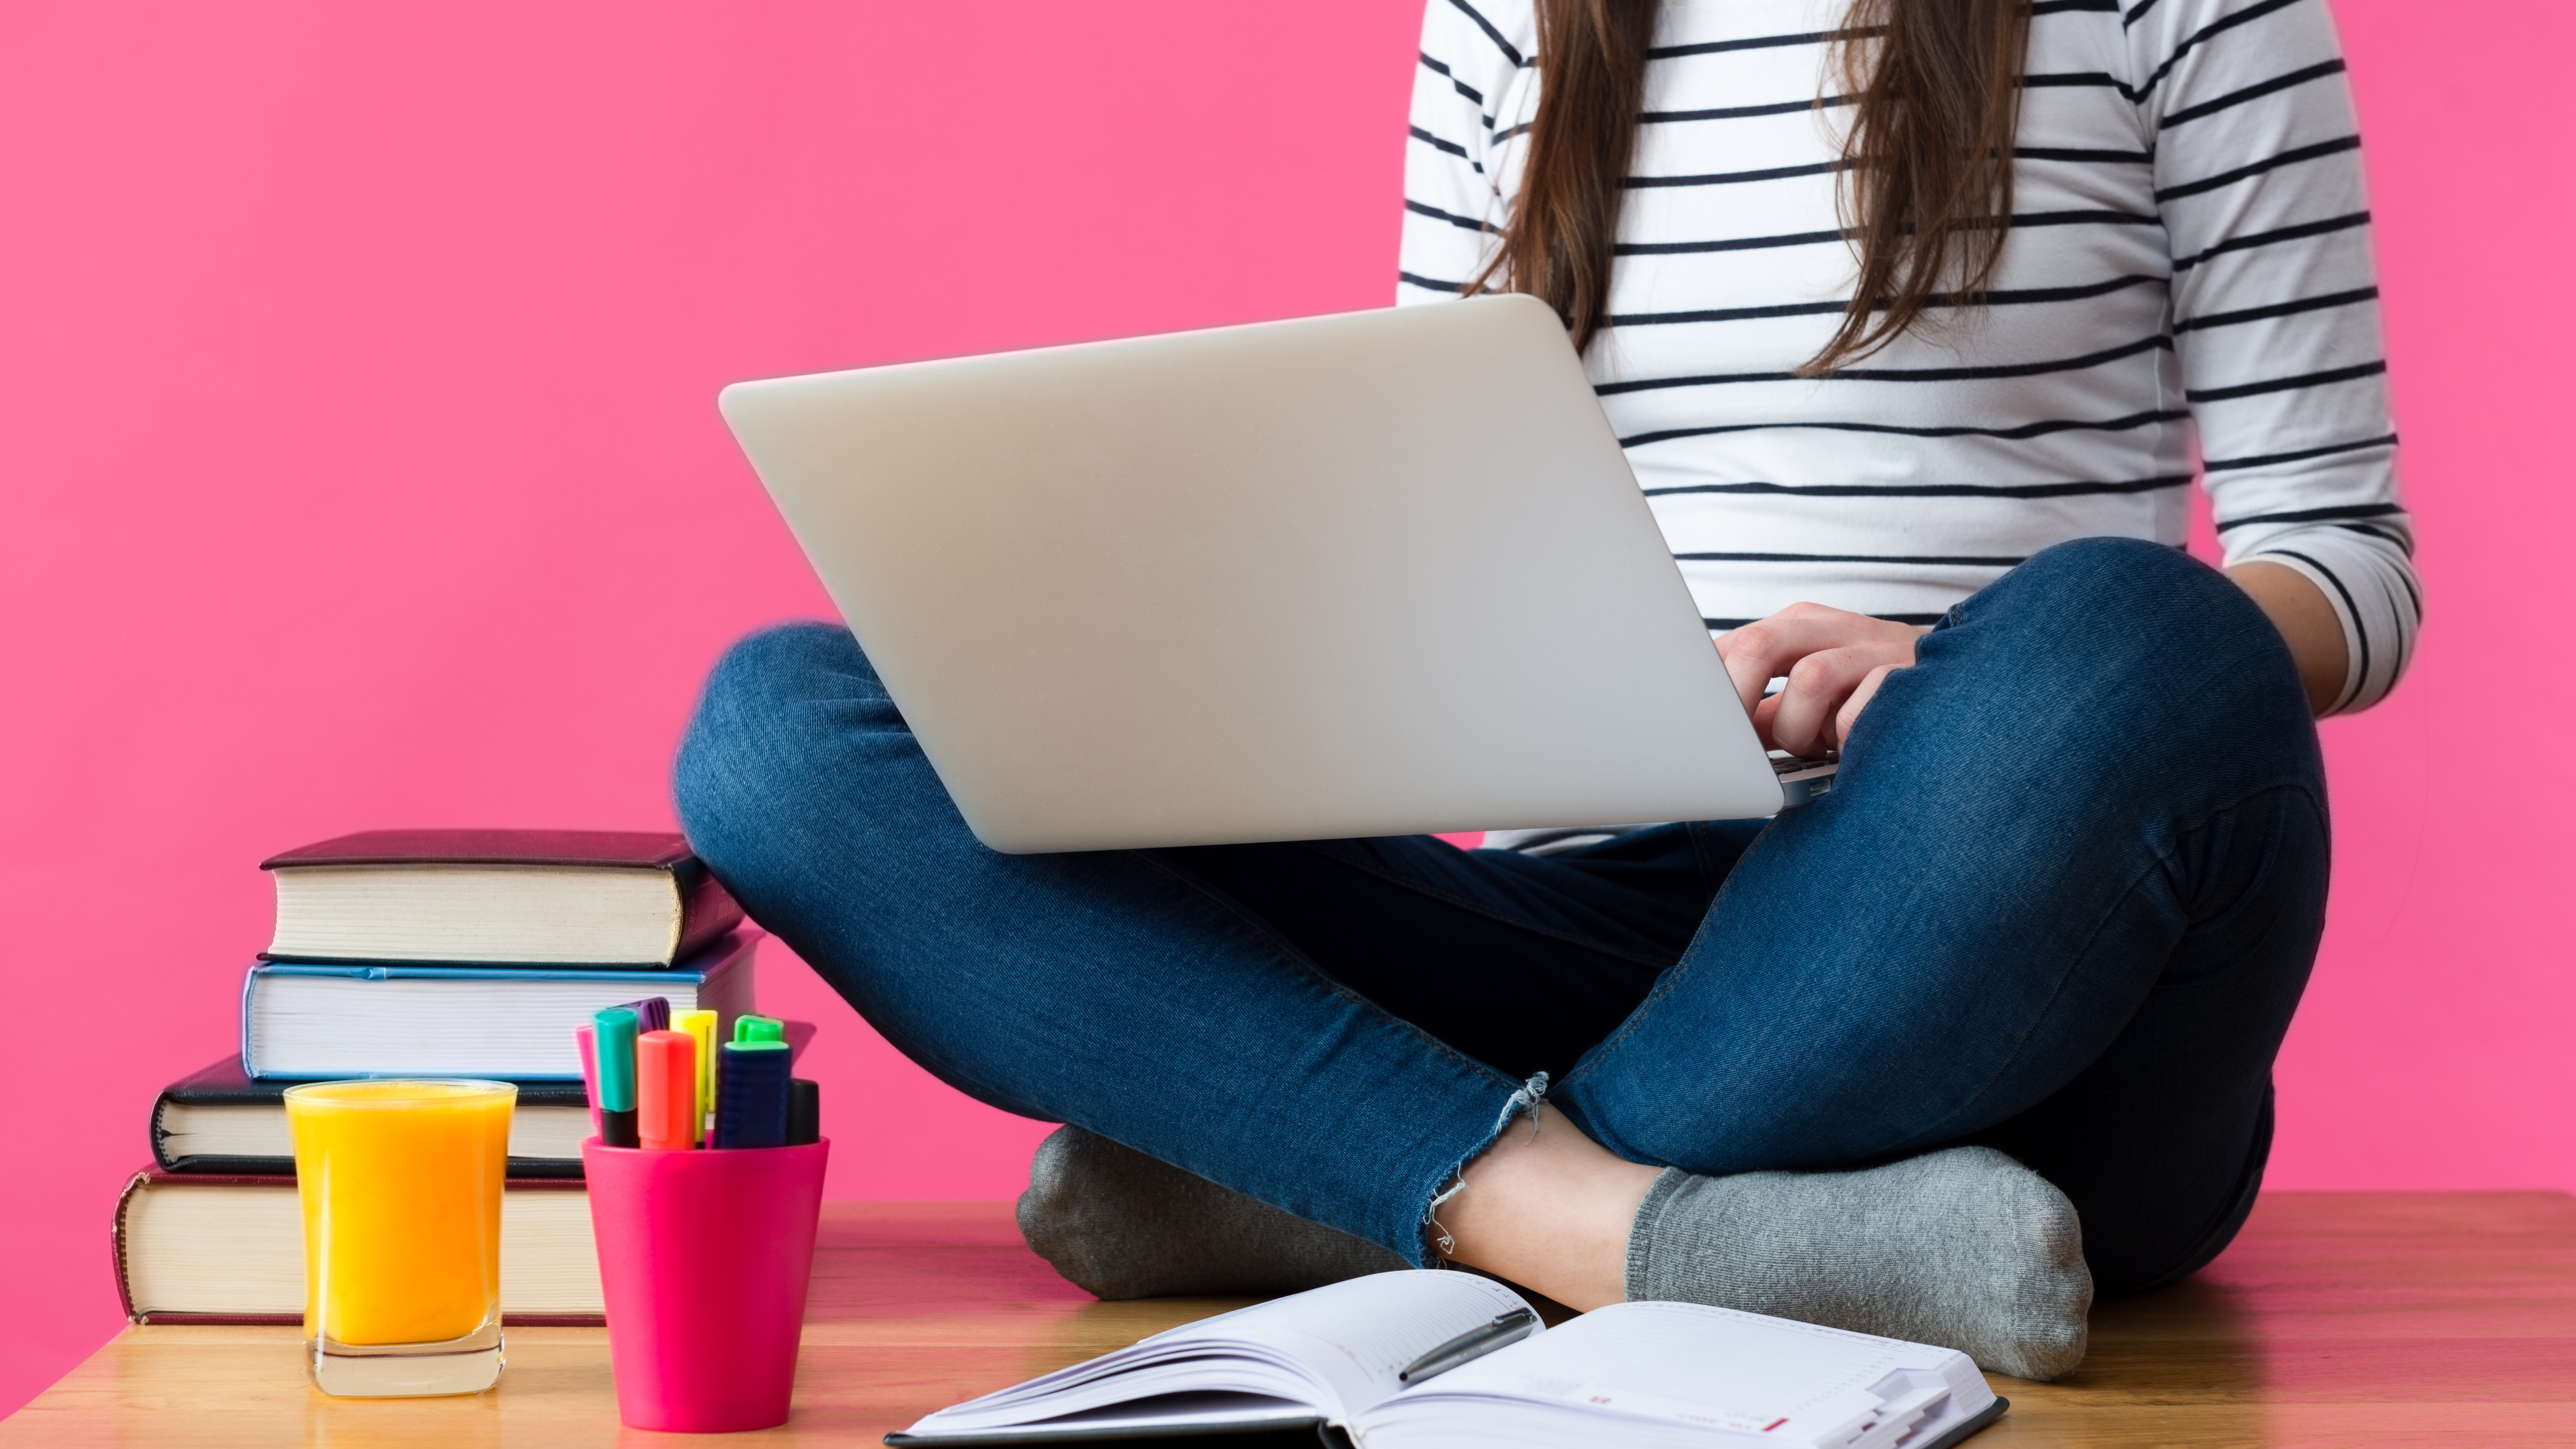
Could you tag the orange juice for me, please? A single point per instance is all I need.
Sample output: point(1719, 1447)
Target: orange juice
point(401, 1186)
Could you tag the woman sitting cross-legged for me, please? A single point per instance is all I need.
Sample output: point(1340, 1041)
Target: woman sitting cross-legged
point(1910, 317)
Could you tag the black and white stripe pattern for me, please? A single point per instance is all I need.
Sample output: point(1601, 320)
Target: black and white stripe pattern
point(2190, 259)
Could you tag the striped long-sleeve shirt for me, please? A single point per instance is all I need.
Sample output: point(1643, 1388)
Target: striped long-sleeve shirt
point(2187, 287)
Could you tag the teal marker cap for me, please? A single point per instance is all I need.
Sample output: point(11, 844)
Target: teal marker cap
point(759, 1028)
point(613, 1039)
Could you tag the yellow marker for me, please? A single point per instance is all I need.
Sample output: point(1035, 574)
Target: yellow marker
point(702, 1025)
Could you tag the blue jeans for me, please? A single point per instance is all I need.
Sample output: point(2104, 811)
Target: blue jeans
point(2062, 900)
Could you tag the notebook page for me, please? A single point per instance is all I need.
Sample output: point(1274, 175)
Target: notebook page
point(1253, 1388)
point(1155, 1417)
point(1359, 1334)
point(1715, 1369)
point(1339, 1347)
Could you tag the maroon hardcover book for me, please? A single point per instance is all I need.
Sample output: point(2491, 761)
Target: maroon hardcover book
point(642, 849)
point(485, 897)
point(120, 1246)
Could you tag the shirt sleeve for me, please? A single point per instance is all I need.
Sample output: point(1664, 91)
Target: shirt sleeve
point(2275, 307)
point(1474, 78)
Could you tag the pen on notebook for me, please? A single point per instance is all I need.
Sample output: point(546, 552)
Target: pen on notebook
point(751, 1094)
point(666, 1091)
point(701, 1027)
point(613, 1038)
point(1475, 1343)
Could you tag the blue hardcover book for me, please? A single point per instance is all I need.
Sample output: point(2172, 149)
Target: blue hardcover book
point(319, 1021)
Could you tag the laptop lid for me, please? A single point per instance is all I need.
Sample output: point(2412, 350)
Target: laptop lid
point(1370, 574)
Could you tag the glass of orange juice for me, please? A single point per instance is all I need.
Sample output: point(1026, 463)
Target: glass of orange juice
point(401, 1186)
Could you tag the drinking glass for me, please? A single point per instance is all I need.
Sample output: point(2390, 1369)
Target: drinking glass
point(401, 1187)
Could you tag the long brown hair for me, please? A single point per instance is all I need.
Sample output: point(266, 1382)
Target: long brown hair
point(1926, 171)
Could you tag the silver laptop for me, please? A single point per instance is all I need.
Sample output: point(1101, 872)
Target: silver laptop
point(1372, 574)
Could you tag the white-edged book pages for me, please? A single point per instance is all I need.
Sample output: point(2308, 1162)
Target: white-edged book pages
point(1338, 1359)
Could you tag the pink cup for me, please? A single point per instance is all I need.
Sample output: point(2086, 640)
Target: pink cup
point(704, 1258)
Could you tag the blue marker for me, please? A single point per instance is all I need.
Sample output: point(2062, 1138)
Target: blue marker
point(751, 1094)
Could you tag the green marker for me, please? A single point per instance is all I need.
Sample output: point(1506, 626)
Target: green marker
point(759, 1028)
point(613, 1044)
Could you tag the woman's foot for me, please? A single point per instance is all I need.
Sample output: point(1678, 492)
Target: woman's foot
point(1963, 1247)
point(1119, 1224)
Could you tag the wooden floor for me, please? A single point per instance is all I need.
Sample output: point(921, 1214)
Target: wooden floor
point(2337, 1319)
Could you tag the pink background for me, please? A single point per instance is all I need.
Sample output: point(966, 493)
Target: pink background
point(357, 368)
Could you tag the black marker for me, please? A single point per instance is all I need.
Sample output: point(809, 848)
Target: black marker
point(804, 1113)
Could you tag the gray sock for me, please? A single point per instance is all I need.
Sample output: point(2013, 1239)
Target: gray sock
point(1963, 1247)
point(1119, 1224)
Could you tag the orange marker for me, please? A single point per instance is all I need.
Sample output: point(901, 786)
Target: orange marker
point(666, 1090)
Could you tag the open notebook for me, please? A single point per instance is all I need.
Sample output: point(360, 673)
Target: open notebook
point(1634, 1374)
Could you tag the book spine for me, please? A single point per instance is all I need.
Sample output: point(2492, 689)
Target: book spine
point(250, 984)
point(160, 1136)
point(707, 909)
point(116, 1243)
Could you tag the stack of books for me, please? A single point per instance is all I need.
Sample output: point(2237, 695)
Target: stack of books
point(424, 953)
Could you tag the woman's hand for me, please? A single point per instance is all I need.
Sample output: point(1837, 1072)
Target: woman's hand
point(1833, 661)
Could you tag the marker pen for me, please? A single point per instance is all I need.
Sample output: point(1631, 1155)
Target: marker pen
point(585, 1041)
point(653, 1013)
point(701, 1025)
point(751, 1094)
point(613, 1038)
point(804, 1112)
point(666, 1091)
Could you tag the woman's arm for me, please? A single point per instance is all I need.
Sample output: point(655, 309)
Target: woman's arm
point(2258, 177)
point(2308, 624)
point(1834, 661)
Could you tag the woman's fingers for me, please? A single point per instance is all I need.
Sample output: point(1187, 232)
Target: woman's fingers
point(1766, 649)
point(1833, 662)
point(1807, 715)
